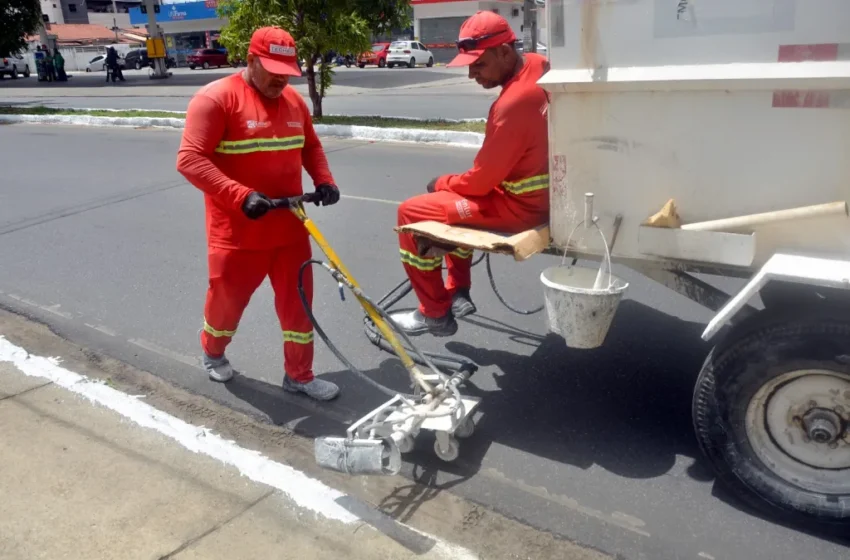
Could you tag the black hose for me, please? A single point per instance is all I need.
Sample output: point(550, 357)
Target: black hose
point(447, 364)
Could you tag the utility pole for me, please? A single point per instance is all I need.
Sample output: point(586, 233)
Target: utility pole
point(154, 32)
point(529, 26)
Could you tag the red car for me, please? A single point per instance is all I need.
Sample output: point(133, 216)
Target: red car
point(207, 57)
point(378, 56)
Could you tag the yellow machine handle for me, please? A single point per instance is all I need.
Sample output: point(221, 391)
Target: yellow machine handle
point(298, 209)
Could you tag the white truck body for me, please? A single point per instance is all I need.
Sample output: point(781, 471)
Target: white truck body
point(705, 102)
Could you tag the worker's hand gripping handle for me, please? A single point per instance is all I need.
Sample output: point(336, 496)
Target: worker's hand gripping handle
point(294, 201)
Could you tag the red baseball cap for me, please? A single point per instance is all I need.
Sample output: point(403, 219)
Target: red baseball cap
point(276, 50)
point(480, 32)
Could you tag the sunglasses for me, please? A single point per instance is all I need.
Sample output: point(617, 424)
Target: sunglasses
point(471, 43)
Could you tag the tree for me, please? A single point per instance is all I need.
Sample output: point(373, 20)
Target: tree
point(318, 26)
point(20, 18)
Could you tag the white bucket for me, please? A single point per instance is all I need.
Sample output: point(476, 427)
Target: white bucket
point(579, 313)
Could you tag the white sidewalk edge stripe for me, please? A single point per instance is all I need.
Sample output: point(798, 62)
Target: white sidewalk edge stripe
point(399, 118)
point(307, 492)
point(445, 137)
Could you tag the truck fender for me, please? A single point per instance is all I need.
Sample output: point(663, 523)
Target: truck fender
point(810, 271)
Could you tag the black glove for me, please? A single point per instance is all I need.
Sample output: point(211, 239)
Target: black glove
point(256, 205)
point(432, 186)
point(329, 195)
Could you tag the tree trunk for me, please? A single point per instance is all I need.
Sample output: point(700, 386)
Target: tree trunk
point(312, 87)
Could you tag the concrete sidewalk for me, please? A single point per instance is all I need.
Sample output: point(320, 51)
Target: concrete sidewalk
point(80, 481)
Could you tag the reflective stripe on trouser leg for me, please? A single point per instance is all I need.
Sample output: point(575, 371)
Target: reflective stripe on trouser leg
point(459, 267)
point(234, 276)
point(296, 326)
point(425, 273)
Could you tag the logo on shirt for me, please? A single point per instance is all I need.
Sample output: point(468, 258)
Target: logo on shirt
point(463, 209)
point(257, 124)
point(293, 124)
point(282, 50)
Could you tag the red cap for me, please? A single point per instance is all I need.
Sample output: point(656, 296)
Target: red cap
point(482, 31)
point(276, 50)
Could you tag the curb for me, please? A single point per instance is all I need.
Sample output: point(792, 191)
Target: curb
point(368, 133)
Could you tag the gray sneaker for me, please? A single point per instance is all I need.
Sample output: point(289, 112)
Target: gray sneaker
point(318, 389)
point(415, 323)
point(219, 369)
point(462, 304)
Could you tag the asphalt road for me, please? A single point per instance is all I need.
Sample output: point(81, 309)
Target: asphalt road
point(596, 446)
point(414, 92)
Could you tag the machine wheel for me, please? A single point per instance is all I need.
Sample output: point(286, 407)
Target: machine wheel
point(465, 429)
point(430, 62)
point(412, 63)
point(771, 412)
point(406, 445)
point(450, 454)
point(382, 63)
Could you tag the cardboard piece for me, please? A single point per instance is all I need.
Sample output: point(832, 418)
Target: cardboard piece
point(441, 238)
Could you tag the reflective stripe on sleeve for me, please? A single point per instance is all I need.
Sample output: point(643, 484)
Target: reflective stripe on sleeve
point(531, 184)
point(260, 145)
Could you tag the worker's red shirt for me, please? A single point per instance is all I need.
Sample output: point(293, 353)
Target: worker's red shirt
point(237, 141)
point(513, 162)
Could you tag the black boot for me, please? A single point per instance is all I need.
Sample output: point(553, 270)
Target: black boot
point(462, 304)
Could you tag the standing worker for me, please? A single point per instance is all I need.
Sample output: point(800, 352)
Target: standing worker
point(246, 139)
point(506, 190)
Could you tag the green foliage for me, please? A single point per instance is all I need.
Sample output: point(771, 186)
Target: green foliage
point(19, 18)
point(318, 26)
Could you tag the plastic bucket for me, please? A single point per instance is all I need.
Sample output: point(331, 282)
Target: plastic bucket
point(575, 310)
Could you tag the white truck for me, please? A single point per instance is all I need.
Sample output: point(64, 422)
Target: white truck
point(734, 116)
point(697, 137)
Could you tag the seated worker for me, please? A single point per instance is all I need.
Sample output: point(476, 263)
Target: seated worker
point(507, 189)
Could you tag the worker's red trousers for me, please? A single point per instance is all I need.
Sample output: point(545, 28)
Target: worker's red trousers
point(235, 274)
point(494, 211)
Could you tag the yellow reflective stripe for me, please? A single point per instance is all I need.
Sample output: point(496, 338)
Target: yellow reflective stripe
point(260, 145)
point(298, 337)
point(422, 263)
point(217, 333)
point(531, 184)
point(462, 253)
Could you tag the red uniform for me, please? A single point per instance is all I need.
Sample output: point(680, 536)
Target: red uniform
point(237, 141)
point(506, 190)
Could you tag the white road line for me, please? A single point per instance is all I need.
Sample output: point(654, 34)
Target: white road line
point(54, 309)
point(157, 349)
point(101, 328)
point(305, 491)
point(368, 199)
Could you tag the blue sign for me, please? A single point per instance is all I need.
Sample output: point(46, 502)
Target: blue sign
point(176, 12)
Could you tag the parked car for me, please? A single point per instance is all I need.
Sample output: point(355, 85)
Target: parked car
point(98, 63)
point(138, 58)
point(541, 48)
point(14, 66)
point(409, 53)
point(206, 58)
point(378, 56)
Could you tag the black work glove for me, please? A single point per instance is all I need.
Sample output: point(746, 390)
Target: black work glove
point(329, 195)
point(256, 205)
point(432, 186)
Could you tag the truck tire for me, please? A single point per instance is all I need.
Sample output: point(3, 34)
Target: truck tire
point(771, 413)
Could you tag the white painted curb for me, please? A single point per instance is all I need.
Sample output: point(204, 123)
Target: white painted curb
point(307, 492)
point(369, 133)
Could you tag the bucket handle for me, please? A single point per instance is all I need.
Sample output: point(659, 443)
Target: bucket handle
point(588, 221)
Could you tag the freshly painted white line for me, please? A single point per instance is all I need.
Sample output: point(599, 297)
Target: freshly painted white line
point(305, 491)
point(368, 133)
point(368, 199)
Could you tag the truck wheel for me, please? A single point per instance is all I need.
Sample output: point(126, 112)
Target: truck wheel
point(771, 413)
